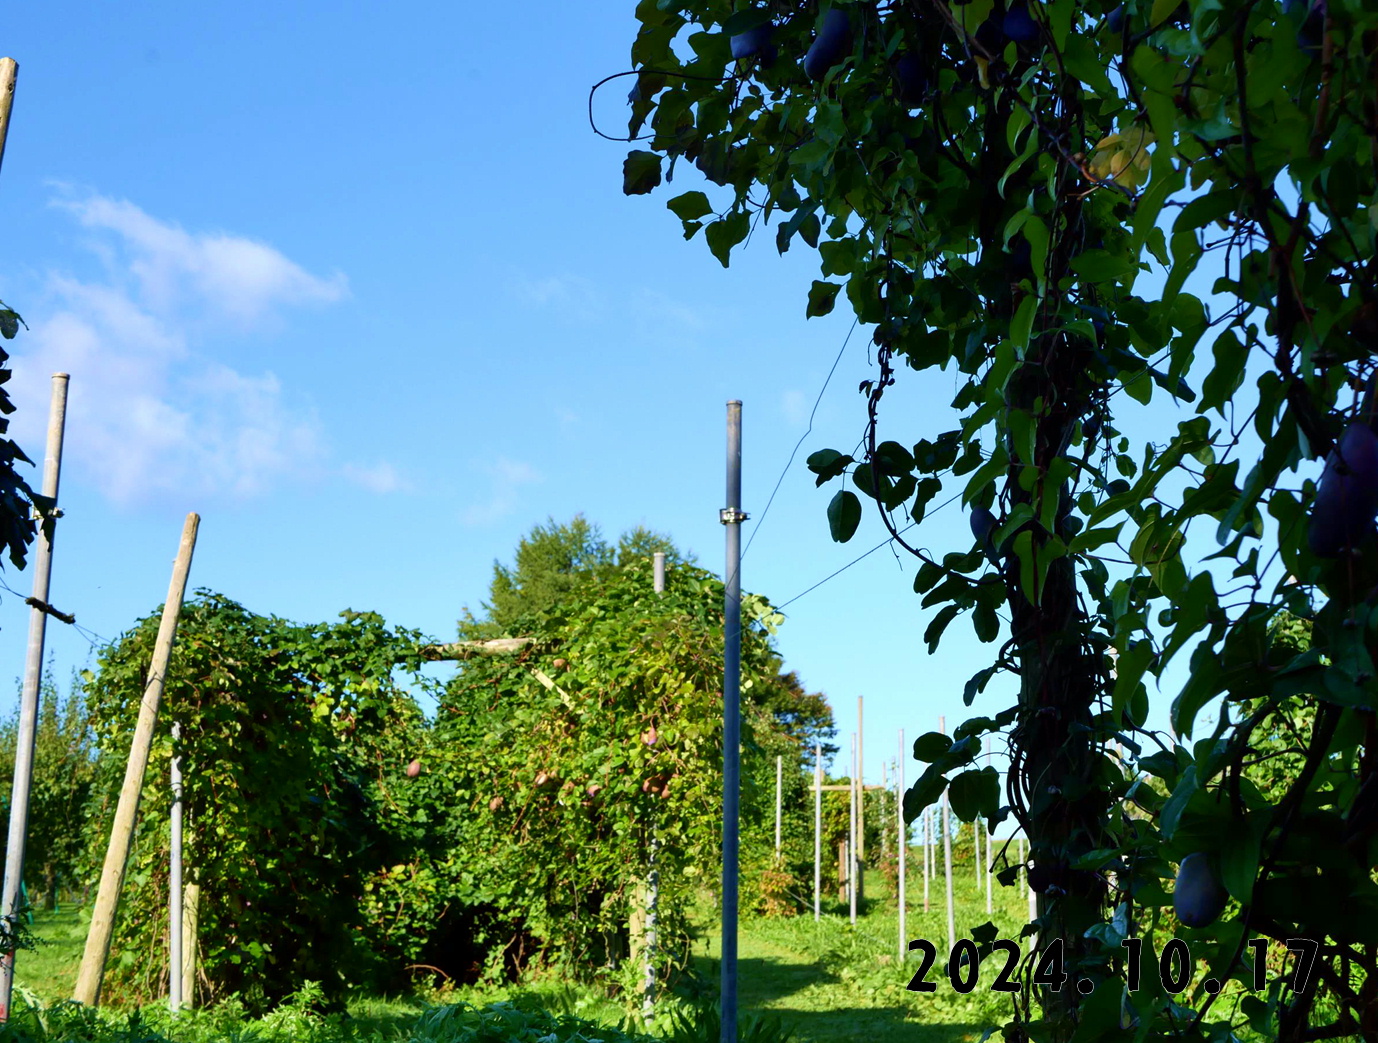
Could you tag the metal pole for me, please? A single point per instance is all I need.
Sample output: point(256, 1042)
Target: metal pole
point(10, 898)
point(976, 850)
point(861, 786)
point(97, 949)
point(1033, 911)
point(9, 72)
point(989, 859)
point(947, 859)
point(732, 517)
point(779, 780)
point(817, 830)
point(927, 853)
point(903, 834)
point(175, 897)
point(852, 860)
point(652, 873)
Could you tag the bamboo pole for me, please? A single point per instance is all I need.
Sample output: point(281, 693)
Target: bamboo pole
point(191, 907)
point(97, 950)
point(11, 896)
point(9, 72)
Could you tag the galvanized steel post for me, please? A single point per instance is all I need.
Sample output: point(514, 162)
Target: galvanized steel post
point(731, 517)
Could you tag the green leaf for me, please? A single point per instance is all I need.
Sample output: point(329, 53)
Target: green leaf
point(975, 793)
point(934, 631)
point(690, 205)
point(844, 515)
point(822, 296)
point(828, 464)
point(1161, 10)
point(725, 233)
point(924, 793)
point(930, 746)
point(640, 172)
point(986, 622)
point(746, 20)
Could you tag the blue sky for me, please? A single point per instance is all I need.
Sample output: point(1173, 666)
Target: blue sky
point(362, 289)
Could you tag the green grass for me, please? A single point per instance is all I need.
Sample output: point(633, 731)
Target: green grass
point(827, 981)
point(50, 970)
point(831, 981)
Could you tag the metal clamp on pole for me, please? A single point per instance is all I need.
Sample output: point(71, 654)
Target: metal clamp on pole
point(732, 515)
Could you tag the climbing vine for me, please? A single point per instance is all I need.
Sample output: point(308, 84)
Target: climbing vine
point(1067, 204)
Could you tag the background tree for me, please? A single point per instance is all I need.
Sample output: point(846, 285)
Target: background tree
point(64, 768)
point(988, 181)
point(561, 761)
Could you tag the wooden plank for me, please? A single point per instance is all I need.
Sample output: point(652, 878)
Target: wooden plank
point(470, 649)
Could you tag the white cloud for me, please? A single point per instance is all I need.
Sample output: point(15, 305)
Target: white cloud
point(235, 276)
point(572, 297)
point(508, 476)
point(381, 478)
point(149, 415)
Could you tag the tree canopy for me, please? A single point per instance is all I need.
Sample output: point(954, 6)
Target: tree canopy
point(1077, 208)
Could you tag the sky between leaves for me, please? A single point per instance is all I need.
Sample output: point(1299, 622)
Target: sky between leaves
point(361, 288)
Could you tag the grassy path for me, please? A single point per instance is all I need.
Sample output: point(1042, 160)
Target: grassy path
point(829, 981)
point(832, 982)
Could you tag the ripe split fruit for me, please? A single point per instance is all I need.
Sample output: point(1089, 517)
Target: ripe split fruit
point(1198, 897)
point(830, 46)
point(1347, 499)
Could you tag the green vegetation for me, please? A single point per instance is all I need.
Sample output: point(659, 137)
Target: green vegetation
point(1064, 209)
point(821, 982)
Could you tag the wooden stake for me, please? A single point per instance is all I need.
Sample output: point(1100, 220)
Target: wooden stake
point(11, 893)
point(97, 951)
point(9, 72)
point(191, 906)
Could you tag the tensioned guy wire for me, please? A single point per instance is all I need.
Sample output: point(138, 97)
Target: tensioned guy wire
point(793, 452)
point(864, 555)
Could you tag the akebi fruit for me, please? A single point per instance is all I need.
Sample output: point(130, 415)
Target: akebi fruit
point(1115, 23)
point(413, 769)
point(1198, 899)
point(911, 79)
point(991, 35)
point(1312, 28)
point(1347, 498)
point(831, 45)
point(982, 523)
point(1019, 25)
point(754, 43)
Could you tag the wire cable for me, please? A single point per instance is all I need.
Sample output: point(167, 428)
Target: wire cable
point(793, 452)
point(863, 556)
